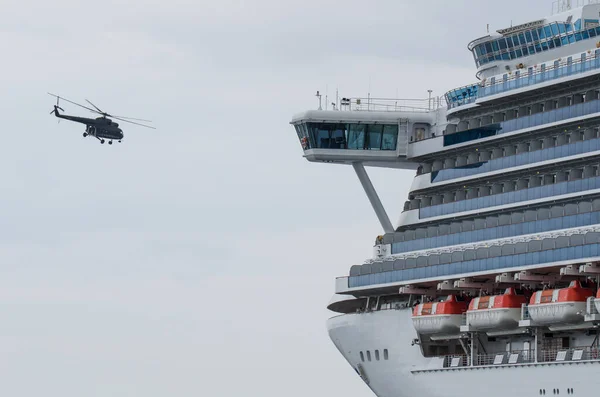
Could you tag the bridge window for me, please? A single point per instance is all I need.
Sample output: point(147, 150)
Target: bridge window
point(353, 136)
point(375, 133)
point(390, 137)
point(356, 136)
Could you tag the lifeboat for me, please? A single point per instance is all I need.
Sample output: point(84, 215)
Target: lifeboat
point(439, 317)
point(554, 306)
point(496, 312)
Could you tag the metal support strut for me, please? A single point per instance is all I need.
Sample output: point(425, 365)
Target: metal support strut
point(359, 168)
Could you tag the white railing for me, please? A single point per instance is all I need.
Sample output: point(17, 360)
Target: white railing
point(389, 104)
point(523, 357)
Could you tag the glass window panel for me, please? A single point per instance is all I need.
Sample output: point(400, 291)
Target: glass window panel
point(390, 137)
point(375, 135)
point(356, 136)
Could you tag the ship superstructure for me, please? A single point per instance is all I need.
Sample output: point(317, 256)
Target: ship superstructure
point(489, 279)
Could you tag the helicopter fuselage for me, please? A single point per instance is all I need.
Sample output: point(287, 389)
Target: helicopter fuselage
point(100, 127)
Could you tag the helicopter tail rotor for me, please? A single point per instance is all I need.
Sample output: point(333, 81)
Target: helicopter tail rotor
point(57, 107)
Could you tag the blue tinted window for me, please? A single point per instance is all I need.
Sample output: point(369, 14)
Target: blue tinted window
point(528, 37)
point(356, 136)
point(390, 137)
point(375, 135)
point(562, 28)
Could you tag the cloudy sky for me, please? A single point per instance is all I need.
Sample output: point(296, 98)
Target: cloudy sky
point(197, 259)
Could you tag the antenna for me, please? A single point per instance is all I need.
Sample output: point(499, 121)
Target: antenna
point(488, 28)
point(369, 95)
point(429, 91)
point(319, 96)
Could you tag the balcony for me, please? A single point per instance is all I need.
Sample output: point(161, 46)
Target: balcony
point(588, 62)
point(536, 75)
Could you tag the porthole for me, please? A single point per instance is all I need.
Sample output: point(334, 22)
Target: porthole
point(369, 355)
point(385, 354)
point(377, 355)
point(362, 357)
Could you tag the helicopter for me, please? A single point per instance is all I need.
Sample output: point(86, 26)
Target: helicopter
point(101, 128)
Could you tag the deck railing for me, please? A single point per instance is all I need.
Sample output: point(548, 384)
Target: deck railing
point(528, 76)
point(515, 357)
point(370, 104)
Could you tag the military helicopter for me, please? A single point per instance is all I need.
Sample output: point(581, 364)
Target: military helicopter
point(100, 128)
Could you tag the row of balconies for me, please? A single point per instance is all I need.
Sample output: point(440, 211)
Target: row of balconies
point(479, 156)
point(554, 211)
point(522, 111)
point(467, 193)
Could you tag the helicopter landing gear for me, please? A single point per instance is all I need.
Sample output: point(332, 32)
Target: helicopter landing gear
point(119, 141)
point(101, 140)
point(110, 142)
point(85, 134)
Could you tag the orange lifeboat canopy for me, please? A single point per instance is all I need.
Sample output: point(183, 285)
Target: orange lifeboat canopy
point(448, 306)
point(509, 300)
point(573, 293)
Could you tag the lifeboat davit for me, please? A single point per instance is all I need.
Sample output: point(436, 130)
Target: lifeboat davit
point(439, 317)
point(555, 306)
point(500, 312)
point(597, 301)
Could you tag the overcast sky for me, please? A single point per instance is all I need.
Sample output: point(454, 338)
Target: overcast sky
point(197, 259)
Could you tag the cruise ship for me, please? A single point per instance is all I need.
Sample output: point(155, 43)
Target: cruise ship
point(488, 282)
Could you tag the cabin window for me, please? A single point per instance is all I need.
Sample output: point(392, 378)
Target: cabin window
point(385, 354)
point(377, 355)
point(362, 357)
point(368, 355)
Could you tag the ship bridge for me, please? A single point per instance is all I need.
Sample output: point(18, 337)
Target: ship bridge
point(369, 132)
point(373, 132)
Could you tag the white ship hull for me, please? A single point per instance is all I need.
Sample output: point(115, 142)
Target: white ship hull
point(405, 373)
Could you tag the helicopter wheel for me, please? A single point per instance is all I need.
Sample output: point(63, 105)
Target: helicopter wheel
point(110, 142)
point(119, 141)
point(85, 134)
point(101, 140)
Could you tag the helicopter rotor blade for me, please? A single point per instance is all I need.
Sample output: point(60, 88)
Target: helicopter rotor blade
point(133, 122)
point(131, 118)
point(97, 108)
point(75, 103)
